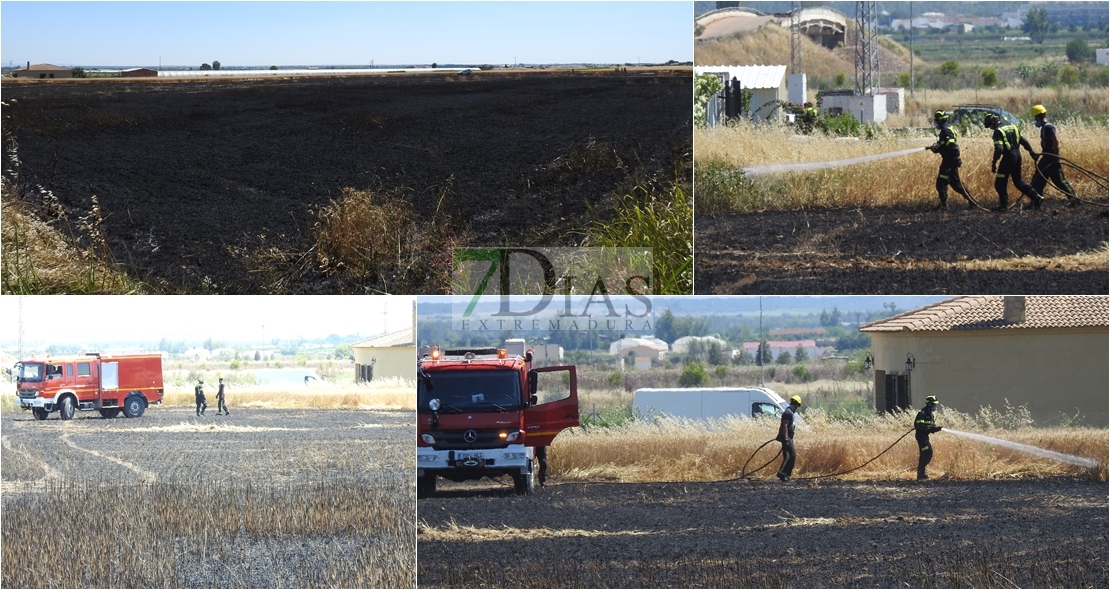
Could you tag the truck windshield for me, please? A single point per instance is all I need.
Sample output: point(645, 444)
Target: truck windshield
point(471, 391)
point(30, 373)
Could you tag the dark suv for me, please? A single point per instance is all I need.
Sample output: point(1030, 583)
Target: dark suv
point(965, 116)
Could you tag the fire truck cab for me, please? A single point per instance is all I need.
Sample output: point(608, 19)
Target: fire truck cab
point(479, 414)
point(108, 384)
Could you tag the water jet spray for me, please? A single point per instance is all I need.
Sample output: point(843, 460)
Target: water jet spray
point(1062, 457)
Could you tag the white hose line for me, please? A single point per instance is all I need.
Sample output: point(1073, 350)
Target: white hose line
point(807, 166)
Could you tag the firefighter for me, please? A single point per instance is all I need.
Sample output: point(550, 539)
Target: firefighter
point(808, 118)
point(202, 403)
point(924, 425)
point(221, 407)
point(786, 437)
point(541, 458)
point(1048, 161)
point(1007, 140)
point(950, 162)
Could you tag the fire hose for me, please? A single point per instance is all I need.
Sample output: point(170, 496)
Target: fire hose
point(1099, 181)
point(744, 474)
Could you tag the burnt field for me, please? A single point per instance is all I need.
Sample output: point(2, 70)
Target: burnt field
point(262, 498)
point(223, 186)
point(1056, 250)
point(755, 534)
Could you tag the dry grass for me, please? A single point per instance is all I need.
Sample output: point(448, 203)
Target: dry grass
point(766, 46)
point(186, 534)
point(681, 450)
point(721, 150)
point(384, 394)
point(38, 258)
point(364, 241)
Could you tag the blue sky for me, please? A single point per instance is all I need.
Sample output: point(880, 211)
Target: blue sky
point(343, 33)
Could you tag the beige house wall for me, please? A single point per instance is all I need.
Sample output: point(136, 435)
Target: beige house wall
point(42, 74)
point(1051, 371)
point(395, 361)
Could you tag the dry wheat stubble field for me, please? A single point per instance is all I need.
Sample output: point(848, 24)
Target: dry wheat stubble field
point(255, 186)
point(990, 518)
point(870, 227)
point(263, 498)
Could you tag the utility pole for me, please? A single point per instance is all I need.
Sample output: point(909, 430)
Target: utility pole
point(759, 349)
point(911, 50)
point(795, 37)
point(866, 54)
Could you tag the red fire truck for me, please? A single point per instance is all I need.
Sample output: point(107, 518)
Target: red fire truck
point(479, 415)
point(110, 384)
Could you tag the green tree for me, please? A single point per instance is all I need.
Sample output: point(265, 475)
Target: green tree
point(341, 351)
point(273, 67)
point(257, 355)
point(1036, 24)
point(694, 375)
point(664, 327)
point(1078, 50)
point(763, 353)
point(785, 358)
point(706, 86)
point(742, 358)
point(802, 373)
point(79, 72)
point(950, 69)
point(716, 356)
point(1069, 75)
point(800, 354)
point(840, 80)
point(989, 77)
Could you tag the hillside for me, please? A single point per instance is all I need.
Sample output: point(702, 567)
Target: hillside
point(770, 45)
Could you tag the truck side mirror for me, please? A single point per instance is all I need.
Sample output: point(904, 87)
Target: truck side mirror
point(533, 400)
point(533, 381)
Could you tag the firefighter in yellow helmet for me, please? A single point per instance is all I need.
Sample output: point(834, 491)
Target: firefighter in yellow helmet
point(1006, 162)
point(950, 162)
point(1048, 161)
point(786, 437)
point(924, 425)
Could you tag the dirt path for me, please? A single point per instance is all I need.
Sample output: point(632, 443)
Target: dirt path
point(896, 251)
point(757, 534)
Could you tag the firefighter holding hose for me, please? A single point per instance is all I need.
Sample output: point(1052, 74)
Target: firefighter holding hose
point(1048, 161)
point(786, 437)
point(924, 425)
point(950, 162)
point(1007, 140)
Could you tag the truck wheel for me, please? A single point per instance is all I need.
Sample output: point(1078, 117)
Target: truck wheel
point(110, 412)
point(524, 483)
point(40, 413)
point(134, 406)
point(67, 408)
point(426, 486)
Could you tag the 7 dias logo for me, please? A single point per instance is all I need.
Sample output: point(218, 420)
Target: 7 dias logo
point(551, 289)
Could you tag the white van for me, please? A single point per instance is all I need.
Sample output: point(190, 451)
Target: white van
point(704, 403)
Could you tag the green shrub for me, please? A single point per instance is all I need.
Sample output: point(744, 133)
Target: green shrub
point(694, 375)
point(614, 379)
point(842, 125)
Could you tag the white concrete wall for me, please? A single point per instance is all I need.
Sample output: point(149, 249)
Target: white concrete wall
point(866, 108)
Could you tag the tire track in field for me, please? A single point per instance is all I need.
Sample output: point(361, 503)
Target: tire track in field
point(144, 474)
point(49, 472)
